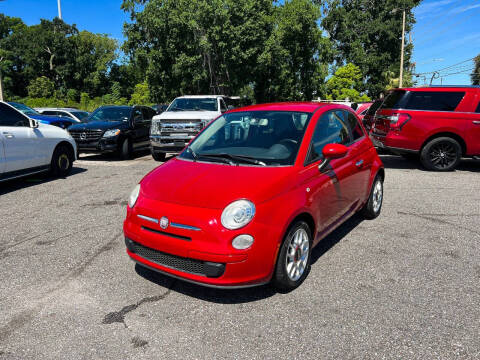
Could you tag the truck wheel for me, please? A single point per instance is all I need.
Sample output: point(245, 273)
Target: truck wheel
point(126, 149)
point(158, 156)
point(62, 161)
point(441, 154)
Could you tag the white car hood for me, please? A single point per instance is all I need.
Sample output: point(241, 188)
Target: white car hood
point(201, 115)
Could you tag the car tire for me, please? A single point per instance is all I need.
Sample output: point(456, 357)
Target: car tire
point(441, 154)
point(373, 207)
point(62, 161)
point(126, 149)
point(158, 156)
point(293, 262)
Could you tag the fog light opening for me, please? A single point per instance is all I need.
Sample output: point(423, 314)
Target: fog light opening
point(242, 242)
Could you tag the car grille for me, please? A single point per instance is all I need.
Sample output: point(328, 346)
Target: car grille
point(180, 126)
point(175, 262)
point(86, 135)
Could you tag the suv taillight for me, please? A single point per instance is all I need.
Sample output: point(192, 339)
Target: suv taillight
point(398, 121)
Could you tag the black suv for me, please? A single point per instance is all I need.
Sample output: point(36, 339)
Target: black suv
point(121, 129)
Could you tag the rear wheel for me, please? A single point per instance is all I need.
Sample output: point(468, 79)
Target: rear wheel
point(441, 154)
point(373, 207)
point(158, 156)
point(62, 161)
point(293, 263)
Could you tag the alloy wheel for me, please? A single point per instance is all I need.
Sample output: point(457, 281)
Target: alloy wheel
point(297, 255)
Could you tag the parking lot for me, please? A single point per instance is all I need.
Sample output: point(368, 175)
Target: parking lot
point(405, 285)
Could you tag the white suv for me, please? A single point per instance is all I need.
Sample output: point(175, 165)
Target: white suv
point(28, 147)
point(173, 129)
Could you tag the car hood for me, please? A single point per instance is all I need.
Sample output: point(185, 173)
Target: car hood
point(214, 186)
point(48, 118)
point(174, 115)
point(102, 125)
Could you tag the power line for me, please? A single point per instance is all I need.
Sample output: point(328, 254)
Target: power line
point(448, 67)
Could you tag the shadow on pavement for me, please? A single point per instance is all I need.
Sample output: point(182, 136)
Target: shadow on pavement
point(335, 237)
point(220, 296)
point(399, 162)
point(111, 156)
point(32, 180)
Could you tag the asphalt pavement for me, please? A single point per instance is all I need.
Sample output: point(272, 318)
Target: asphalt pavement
point(403, 286)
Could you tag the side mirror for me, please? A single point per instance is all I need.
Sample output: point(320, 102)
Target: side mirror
point(33, 123)
point(332, 151)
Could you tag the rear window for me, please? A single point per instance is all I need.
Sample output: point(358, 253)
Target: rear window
point(393, 100)
point(373, 109)
point(433, 100)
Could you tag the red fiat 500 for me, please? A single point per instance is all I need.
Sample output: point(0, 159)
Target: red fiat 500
point(251, 195)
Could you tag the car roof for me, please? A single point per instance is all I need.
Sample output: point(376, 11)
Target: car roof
point(61, 109)
point(200, 96)
point(441, 88)
point(309, 107)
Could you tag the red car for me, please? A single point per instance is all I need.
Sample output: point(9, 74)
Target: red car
point(362, 109)
point(439, 124)
point(251, 195)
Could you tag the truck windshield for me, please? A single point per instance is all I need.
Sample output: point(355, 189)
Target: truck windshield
point(194, 104)
point(254, 137)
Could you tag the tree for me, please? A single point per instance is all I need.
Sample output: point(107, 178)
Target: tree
point(344, 84)
point(368, 34)
point(475, 76)
point(41, 87)
point(141, 95)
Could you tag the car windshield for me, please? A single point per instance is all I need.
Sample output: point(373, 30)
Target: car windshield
point(110, 114)
point(255, 137)
point(24, 109)
point(194, 104)
point(81, 115)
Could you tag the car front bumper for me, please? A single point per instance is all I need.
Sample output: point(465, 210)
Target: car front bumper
point(197, 248)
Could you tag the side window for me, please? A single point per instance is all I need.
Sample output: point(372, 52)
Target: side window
point(223, 107)
point(49, 112)
point(331, 129)
point(356, 131)
point(478, 108)
point(11, 117)
point(147, 114)
point(64, 114)
point(137, 115)
point(434, 100)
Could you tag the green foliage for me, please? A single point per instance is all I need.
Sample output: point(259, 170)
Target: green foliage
point(368, 34)
point(475, 76)
point(344, 84)
point(141, 95)
point(41, 87)
point(228, 47)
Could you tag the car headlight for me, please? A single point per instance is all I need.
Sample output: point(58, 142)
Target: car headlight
point(238, 214)
point(134, 196)
point(111, 133)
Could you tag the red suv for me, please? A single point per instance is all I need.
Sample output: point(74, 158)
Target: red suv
point(441, 124)
point(251, 195)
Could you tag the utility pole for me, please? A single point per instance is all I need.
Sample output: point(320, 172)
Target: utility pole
point(1, 84)
point(400, 81)
point(59, 10)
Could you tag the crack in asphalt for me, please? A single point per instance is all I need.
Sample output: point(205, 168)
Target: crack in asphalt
point(119, 316)
point(439, 221)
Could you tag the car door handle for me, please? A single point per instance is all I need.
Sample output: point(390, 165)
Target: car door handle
point(476, 122)
point(8, 135)
point(359, 163)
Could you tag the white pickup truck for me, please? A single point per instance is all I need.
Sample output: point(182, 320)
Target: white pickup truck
point(28, 147)
point(173, 129)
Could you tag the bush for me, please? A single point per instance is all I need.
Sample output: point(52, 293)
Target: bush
point(41, 87)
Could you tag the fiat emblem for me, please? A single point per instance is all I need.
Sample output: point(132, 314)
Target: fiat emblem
point(83, 136)
point(164, 222)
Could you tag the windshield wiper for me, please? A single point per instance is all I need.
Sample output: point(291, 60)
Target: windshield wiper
point(241, 158)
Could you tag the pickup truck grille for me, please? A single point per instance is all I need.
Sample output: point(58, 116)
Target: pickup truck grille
point(180, 126)
point(86, 135)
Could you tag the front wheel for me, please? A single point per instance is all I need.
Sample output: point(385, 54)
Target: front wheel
point(158, 156)
point(441, 154)
point(62, 161)
point(126, 149)
point(373, 207)
point(293, 263)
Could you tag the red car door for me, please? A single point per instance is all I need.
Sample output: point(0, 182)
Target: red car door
point(472, 135)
